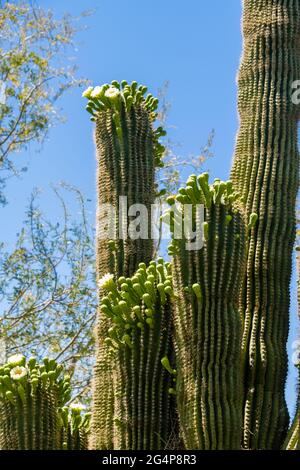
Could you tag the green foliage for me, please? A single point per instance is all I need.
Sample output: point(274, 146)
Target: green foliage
point(33, 45)
point(47, 287)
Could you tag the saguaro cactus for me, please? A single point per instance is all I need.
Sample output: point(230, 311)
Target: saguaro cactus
point(139, 338)
point(30, 398)
point(128, 149)
point(127, 152)
point(207, 320)
point(265, 172)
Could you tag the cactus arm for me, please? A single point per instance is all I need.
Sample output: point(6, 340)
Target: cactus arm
point(128, 150)
point(265, 172)
point(207, 321)
point(143, 412)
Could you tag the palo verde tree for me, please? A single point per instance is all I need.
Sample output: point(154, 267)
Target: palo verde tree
point(34, 72)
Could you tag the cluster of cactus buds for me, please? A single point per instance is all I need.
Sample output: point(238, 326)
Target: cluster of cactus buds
point(198, 191)
point(111, 95)
point(31, 395)
point(120, 98)
point(138, 310)
point(131, 303)
point(75, 427)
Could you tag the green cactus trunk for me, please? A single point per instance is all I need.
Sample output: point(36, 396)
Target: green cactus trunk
point(125, 169)
point(265, 172)
point(30, 398)
point(139, 312)
point(207, 320)
point(127, 152)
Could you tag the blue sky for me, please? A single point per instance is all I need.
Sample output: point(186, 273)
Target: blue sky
point(195, 45)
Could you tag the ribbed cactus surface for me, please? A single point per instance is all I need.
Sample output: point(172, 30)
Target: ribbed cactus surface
point(207, 321)
point(265, 171)
point(30, 398)
point(139, 337)
point(128, 150)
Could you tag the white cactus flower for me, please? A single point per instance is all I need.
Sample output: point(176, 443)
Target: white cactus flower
point(16, 360)
point(77, 407)
point(87, 92)
point(112, 93)
point(106, 281)
point(96, 93)
point(18, 373)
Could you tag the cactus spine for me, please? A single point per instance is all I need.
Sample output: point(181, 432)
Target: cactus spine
point(139, 336)
point(30, 398)
point(265, 172)
point(207, 320)
point(127, 151)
